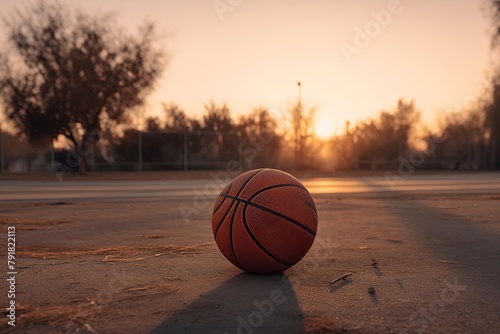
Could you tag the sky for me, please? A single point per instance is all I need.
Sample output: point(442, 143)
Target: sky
point(353, 58)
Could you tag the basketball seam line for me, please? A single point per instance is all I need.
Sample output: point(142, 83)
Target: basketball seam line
point(223, 218)
point(293, 221)
point(274, 186)
point(231, 236)
point(256, 241)
point(277, 186)
point(228, 190)
point(232, 202)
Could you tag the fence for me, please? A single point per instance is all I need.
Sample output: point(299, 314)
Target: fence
point(160, 150)
point(135, 151)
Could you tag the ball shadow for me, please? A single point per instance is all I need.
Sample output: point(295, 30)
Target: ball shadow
point(244, 304)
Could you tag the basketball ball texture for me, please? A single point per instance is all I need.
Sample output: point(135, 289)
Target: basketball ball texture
point(264, 221)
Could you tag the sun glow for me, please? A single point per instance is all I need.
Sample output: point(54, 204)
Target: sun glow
point(324, 127)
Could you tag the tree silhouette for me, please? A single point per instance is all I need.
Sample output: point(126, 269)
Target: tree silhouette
point(260, 142)
point(492, 124)
point(492, 117)
point(389, 136)
point(153, 123)
point(406, 117)
point(71, 72)
point(461, 141)
point(177, 120)
point(302, 126)
point(217, 120)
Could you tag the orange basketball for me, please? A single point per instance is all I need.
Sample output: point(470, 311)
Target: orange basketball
point(264, 221)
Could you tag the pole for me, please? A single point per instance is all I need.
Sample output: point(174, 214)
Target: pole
point(298, 126)
point(185, 151)
point(92, 157)
point(52, 155)
point(140, 151)
point(493, 154)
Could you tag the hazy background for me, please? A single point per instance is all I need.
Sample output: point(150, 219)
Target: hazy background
point(436, 52)
point(336, 84)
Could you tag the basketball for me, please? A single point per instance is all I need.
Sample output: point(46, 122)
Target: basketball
point(264, 221)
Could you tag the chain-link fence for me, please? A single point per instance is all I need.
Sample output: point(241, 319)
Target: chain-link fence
point(161, 150)
point(134, 151)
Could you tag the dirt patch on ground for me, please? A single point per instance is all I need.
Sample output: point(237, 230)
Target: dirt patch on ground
point(30, 224)
point(111, 254)
point(420, 263)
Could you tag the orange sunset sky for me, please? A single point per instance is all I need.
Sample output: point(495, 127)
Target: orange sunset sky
point(434, 51)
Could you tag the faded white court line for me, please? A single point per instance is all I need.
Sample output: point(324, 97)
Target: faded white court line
point(12, 191)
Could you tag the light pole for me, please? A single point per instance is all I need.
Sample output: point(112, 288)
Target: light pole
point(298, 124)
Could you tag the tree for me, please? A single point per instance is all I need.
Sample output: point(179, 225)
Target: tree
point(217, 119)
point(492, 124)
point(221, 129)
point(461, 141)
point(70, 73)
point(302, 126)
point(177, 120)
point(492, 111)
point(303, 129)
point(494, 11)
point(406, 117)
point(153, 123)
point(389, 136)
point(259, 141)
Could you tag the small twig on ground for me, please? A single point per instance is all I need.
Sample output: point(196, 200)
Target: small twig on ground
point(341, 278)
point(175, 251)
point(450, 262)
point(89, 328)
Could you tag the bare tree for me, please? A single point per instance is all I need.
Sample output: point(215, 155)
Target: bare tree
point(492, 124)
point(461, 143)
point(260, 142)
point(389, 136)
point(302, 125)
point(492, 112)
point(218, 120)
point(177, 120)
point(68, 73)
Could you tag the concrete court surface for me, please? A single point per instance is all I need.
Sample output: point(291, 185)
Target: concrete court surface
point(101, 255)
